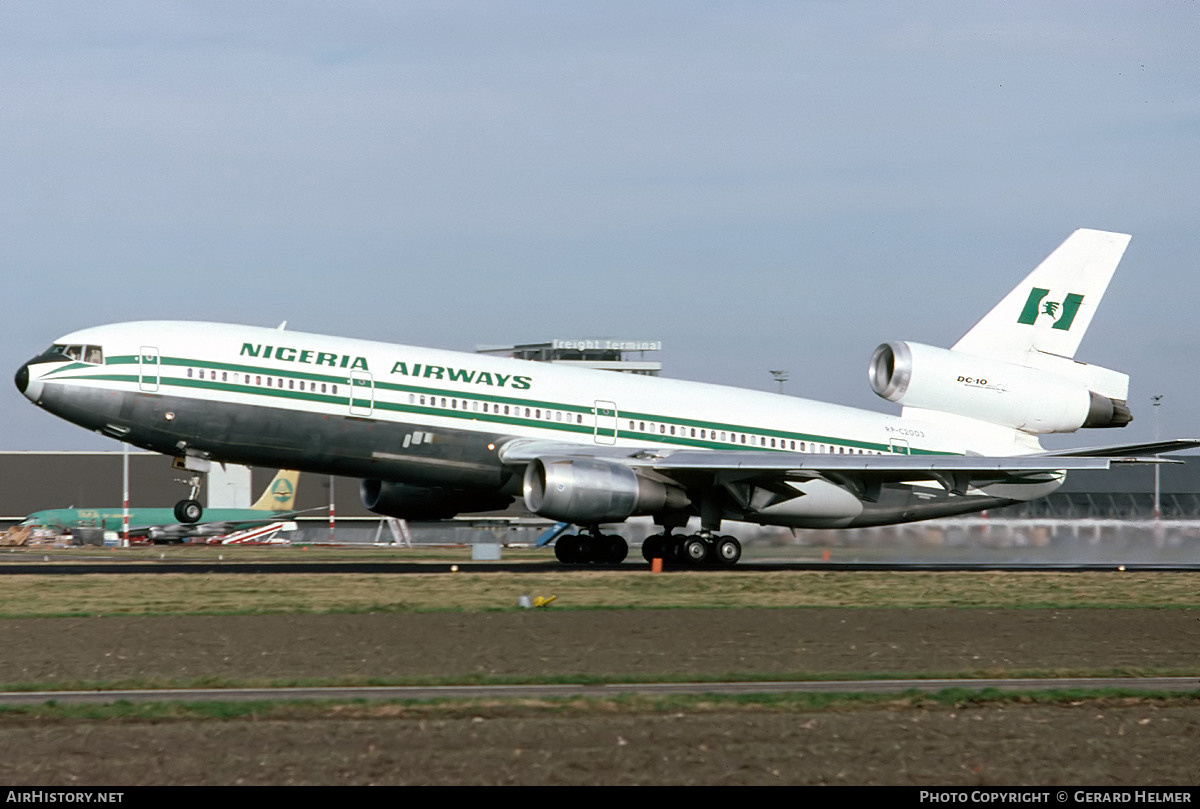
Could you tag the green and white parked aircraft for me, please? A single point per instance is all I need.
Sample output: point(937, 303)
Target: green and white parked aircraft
point(276, 503)
point(436, 433)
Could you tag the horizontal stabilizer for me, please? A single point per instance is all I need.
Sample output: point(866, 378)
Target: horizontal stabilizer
point(1122, 450)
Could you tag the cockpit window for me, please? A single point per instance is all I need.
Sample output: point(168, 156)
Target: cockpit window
point(93, 355)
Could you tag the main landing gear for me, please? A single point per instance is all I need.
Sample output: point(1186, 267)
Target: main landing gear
point(591, 547)
point(696, 549)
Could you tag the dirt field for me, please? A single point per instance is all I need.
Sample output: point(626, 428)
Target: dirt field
point(1112, 742)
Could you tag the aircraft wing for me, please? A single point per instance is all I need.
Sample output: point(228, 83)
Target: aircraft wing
point(798, 465)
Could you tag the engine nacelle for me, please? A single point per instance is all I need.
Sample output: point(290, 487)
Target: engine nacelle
point(1027, 399)
point(426, 503)
point(585, 491)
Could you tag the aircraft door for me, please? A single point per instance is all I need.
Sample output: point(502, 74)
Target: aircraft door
point(148, 369)
point(606, 422)
point(362, 393)
point(900, 446)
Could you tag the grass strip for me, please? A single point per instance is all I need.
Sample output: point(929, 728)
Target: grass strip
point(630, 704)
point(300, 593)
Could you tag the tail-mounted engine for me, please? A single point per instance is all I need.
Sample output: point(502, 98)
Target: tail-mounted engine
point(585, 491)
point(1029, 399)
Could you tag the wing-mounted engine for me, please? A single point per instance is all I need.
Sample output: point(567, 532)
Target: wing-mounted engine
point(426, 503)
point(586, 491)
point(1060, 397)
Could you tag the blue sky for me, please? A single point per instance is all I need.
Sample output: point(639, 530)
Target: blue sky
point(759, 185)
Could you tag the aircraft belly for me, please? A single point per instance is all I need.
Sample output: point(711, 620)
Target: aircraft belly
point(291, 439)
point(827, 505)
point(900, 503)
point(916, 509)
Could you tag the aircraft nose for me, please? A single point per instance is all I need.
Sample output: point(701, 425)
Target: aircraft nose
point(27, 384)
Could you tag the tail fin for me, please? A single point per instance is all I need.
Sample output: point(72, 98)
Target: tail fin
point(1016, 369)
point(280, 494)
point(1050, 310)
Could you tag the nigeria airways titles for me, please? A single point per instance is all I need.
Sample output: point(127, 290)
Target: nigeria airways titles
point(359, 363)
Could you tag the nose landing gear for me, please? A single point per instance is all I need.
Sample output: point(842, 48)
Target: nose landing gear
point(190, 510)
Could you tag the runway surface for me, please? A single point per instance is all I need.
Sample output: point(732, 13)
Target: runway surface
point(35, 565)
point(561, 690)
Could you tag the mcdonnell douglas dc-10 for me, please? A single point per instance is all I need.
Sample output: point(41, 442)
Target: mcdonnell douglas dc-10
point(436, 433)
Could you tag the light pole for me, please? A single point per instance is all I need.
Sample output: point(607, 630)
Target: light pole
point(1157, 402)
point(780, 377)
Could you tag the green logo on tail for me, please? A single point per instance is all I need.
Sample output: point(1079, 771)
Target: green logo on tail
point(1035, 306)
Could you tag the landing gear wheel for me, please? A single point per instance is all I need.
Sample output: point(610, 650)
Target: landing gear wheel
point(729, 551)
point(654, 547)
point(615, 549)
point(590, 549)
point(188, 511)
point(674, 551)
point(695, 550)
point(566, 550)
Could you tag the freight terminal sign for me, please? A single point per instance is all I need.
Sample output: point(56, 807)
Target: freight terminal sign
point(607, 345)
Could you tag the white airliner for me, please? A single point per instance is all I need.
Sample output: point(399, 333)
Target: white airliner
point(436, 433)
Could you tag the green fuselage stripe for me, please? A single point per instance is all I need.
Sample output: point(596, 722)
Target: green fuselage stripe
point(354, 396)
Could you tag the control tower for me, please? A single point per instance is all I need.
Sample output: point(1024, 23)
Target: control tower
point(604, 353)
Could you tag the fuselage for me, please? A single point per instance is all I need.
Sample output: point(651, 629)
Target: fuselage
point(112, 518)
point(430, 417)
